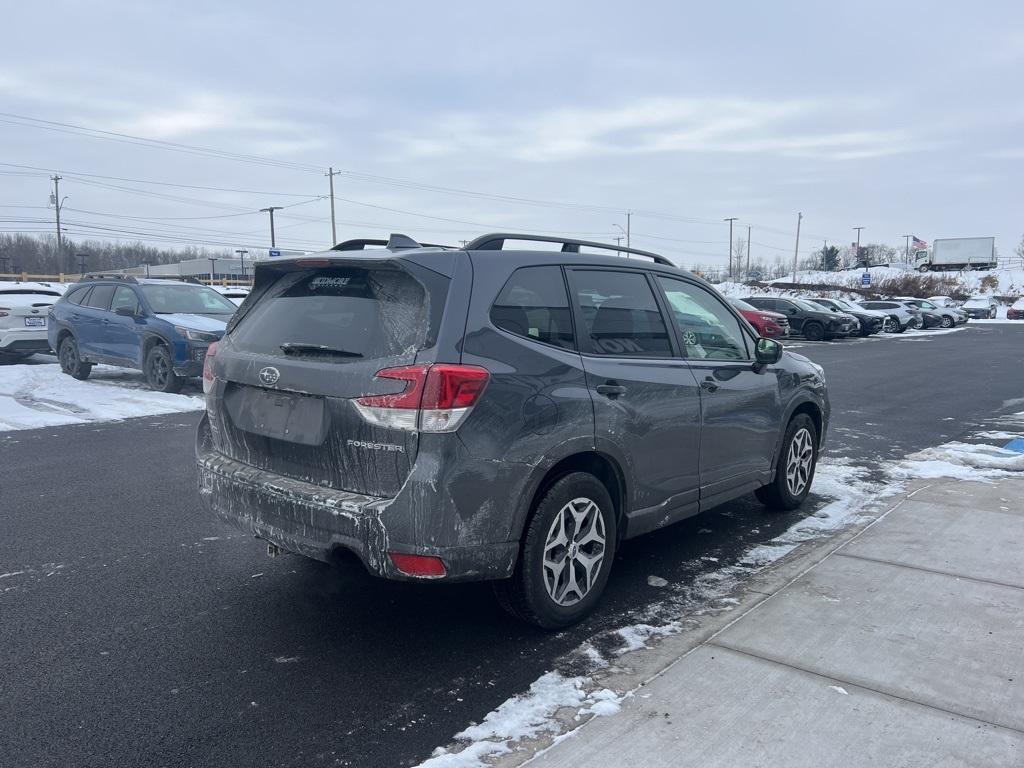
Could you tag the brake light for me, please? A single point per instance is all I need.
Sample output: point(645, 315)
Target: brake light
point(211, 352)
point(436, 398)
point(424, 566)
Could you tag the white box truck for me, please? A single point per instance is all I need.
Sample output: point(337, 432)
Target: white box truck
point(957, 253)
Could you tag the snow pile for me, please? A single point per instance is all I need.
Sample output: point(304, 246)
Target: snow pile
point(33, 396)
point(964, 461)
point(637, 635)
point(524, 717)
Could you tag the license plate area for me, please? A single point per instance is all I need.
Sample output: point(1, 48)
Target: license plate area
point(281, 415)
point(35, 322)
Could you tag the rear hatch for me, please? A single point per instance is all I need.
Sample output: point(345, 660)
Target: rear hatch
point(25, 311)
point(308, 341)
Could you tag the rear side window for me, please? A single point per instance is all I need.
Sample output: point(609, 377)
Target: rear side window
point(78, 294)
point(534, 304)
point(100, 296)
point(620, 314)
point(339, 313)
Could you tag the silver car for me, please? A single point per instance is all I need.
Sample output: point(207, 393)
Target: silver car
point(901, 316)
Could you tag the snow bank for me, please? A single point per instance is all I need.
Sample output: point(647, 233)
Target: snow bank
point(33, 396)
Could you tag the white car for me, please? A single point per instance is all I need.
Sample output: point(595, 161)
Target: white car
point(943, 301)
point(233, 293)
point(23, 318)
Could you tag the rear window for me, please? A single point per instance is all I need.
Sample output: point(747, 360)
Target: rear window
point(344, 312)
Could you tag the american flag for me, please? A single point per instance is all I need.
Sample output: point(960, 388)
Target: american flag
point(919, 244)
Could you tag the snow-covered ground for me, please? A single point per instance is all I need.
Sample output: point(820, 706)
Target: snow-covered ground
point(1010, 282)
point(554, 703)
point(39, 395)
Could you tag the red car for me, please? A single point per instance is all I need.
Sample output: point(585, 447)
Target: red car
point(772, 325)
point(1016, 310)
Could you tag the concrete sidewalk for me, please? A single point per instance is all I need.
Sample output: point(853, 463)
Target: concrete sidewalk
point(904, 647)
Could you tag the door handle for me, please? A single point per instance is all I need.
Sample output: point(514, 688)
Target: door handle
point(708, 385)
point(610, 389)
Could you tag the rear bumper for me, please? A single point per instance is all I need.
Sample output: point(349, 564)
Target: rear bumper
point(24, 340)
point(314, 521)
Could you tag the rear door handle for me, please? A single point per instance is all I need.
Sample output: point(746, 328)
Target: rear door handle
point(708, 385)
point(610, 389)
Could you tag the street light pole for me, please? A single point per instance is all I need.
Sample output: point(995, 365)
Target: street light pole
point(796, 248)
point(731, 219)
point(270, 210)
point(857, 254)
point(331, 173)
point(241, 257)
point(748, 251)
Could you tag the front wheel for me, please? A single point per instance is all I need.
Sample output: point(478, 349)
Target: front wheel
point(923, 268)
point(567, 553)
point(160, 373)
point(814, 331)
point(794, 469)
point(71, 362)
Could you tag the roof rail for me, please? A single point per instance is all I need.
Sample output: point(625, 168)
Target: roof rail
point(496, 242)
point(395, 243)
point(109, 276)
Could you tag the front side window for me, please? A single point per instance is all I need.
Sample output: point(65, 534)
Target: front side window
point(620, 314)
point(125, 297)
point(706, 326)
point(533, 303)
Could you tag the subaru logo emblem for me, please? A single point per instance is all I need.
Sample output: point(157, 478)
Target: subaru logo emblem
point(270, 375)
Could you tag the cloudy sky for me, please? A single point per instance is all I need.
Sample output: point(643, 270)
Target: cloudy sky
point(449, 119)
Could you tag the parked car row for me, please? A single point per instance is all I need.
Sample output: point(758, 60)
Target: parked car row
point(818, 319)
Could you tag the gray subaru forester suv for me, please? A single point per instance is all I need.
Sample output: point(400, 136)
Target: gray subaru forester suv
point(495, 413)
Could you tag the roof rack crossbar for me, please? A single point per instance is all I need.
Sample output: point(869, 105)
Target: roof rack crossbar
point(496, 242)
point(109, 276)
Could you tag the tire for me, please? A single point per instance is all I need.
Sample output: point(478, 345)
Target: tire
point(536, 593)
point(792, 481)
point(947, 321)
point(923, 268)
point(814, 331)
point(70, 361)
point(160, 375)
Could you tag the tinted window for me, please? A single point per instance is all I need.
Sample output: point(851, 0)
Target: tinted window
point(534, 304)
point(760, 303)
point(620, 314)
point(188, 299)
point(100, 296)
point(125, 297)
point(339, 313)
point(78, 294)
point(706, 327)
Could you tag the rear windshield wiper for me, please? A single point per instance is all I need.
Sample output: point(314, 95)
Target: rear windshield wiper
point(296, 348)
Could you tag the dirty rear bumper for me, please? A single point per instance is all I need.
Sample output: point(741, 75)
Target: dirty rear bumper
point(316, 522)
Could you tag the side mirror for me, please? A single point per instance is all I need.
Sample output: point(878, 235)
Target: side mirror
point(767, 351)
point(125, 311)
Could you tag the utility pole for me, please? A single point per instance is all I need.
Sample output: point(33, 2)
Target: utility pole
point(270, 210)
point(56, 204)
point(629, 217)
point(241, 257)
point(824, 263)
point(748, 251)
point(857, 254)
point(906, 254)
point(796, 248)
point(331, 173)
point(730, 220)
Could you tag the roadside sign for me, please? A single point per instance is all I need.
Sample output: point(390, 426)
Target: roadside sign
point(274, 252)
point(865, 279)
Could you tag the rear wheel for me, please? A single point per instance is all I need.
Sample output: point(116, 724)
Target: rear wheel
point(71, 362)
point(794, 469)
point(160, 373)
point(947, 321)
point(567, 553)
point(814, 331)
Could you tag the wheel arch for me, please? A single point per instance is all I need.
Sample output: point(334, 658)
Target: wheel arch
point(806, 405)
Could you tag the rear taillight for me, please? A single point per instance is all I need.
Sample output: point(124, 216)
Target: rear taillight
point(4, 311)
point(436, 398)
point(211, 352)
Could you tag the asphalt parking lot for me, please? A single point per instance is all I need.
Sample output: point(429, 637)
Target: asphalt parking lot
point(139, 631)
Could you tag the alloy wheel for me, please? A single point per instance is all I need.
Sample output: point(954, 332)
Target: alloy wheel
point(574, 551)
point(799, 462)
point(159, 370)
